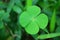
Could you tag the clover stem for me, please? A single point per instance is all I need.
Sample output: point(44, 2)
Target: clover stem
point(28, 3)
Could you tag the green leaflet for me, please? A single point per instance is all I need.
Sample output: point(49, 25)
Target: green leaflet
point(34, 10)
point(42, 21)
point(24, 19)
point(17, 9)
point(32, 28)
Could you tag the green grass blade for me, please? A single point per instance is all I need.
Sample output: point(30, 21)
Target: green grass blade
point(53, 20)
point(51, 35)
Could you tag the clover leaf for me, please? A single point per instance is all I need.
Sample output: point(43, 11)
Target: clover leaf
point(34, 11)
point(42, 21)
point(32, 20)
point(24, 19)
point(32, 28)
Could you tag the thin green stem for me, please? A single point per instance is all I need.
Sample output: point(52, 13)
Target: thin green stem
point(28, 3)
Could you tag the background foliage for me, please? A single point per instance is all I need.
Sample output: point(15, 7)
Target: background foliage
point(11, 10)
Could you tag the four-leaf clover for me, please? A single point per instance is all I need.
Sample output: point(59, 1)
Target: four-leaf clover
point(32, 19)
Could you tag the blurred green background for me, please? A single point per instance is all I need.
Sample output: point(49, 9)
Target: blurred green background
point(10, 28)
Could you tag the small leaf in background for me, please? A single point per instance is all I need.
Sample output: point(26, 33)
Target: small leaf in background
point(42, 21)
point(3, 15)
point(17, 9)
point(6, 17)
point(10, 6)
point(1, 25)
point(19, 3)
point(2, 12)
point(46, 36)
